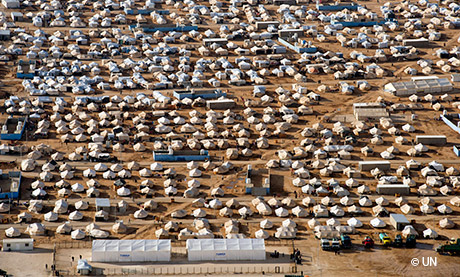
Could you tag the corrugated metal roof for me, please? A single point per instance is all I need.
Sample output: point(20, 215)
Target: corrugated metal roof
point(400, 218)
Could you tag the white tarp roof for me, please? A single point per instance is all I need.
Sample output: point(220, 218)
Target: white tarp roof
point(225, 249)
point(131, 250)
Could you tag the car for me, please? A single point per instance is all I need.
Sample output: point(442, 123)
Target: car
point(345, 242)
point(325, 244)
point(368, 242)
point(398, 242)
point(335, 244)
point(385, 239)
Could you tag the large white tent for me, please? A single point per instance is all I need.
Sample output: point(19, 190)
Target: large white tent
point(131, 250)
point(225, 249)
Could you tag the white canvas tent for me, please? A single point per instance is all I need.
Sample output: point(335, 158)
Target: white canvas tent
point(225, 249)
point(131, 250)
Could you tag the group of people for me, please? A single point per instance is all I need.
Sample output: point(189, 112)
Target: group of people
point(296, 256)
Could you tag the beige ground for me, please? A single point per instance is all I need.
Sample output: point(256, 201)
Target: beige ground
point(27, 263)
point(357, 262)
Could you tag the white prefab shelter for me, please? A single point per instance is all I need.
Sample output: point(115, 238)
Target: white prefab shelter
point(131, 250)
point(424, 85)
point(225, 249)
point(18, 244)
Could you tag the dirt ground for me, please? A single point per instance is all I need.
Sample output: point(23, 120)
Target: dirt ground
point(27, 263)
point(356, 262)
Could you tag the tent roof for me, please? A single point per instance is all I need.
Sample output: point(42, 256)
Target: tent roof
point(27, 240)
point(131, 245)
point(225, 244)
point(102, 202)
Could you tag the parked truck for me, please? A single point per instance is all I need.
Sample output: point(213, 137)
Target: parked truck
point(411, 241)
point(398, 241)
point(368, 242)
point(452, 248)
point(335, 244)
point(345, 241)
point(385, 239)
point(325, 244)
